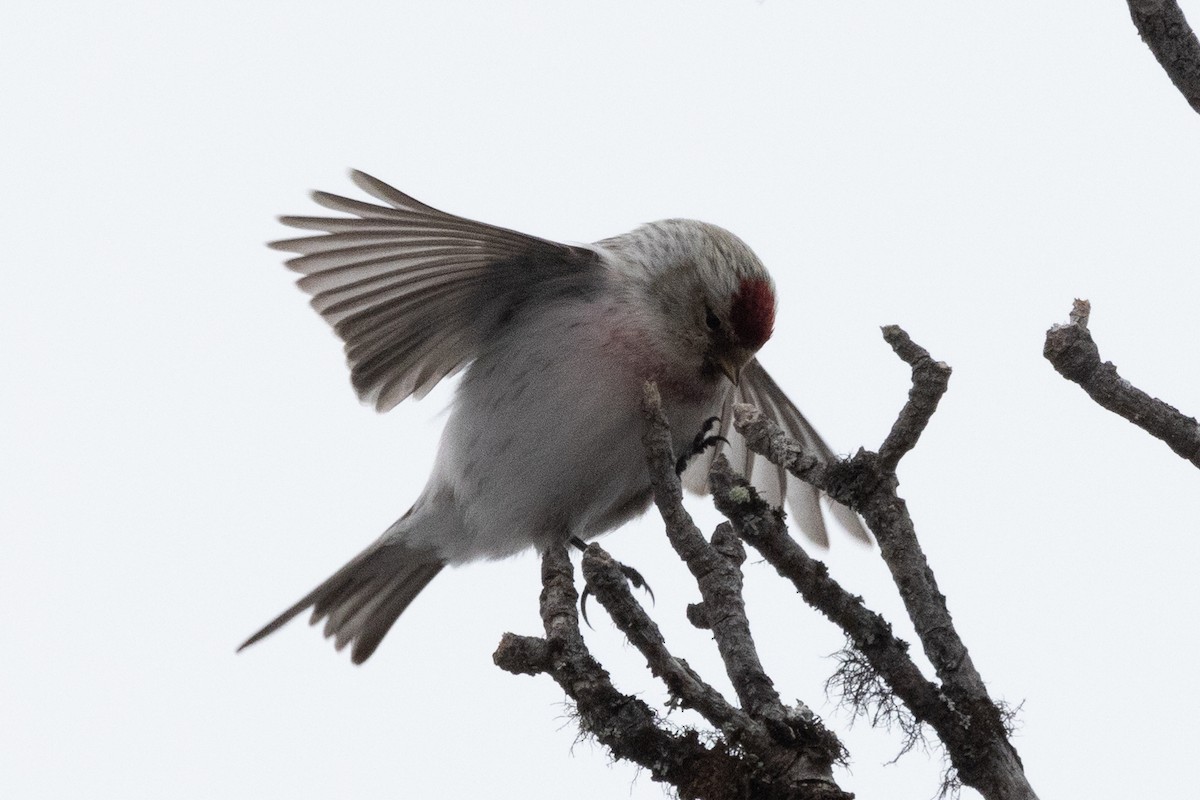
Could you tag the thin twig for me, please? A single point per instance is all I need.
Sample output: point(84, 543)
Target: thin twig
point(978, 743)
point(610, 586)
point(763, 528)
point(717, 570)
point(887, 517)
point(624, 724)
point(1073, 352)
point(929, 382)
point(758, 767)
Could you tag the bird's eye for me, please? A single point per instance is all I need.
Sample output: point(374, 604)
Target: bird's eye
point(710, 319)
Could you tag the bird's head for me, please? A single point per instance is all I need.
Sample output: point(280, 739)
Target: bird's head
point(713, 302)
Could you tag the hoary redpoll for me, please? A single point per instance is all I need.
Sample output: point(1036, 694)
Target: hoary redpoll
point(543, 442)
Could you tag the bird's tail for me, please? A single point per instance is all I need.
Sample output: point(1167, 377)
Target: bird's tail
point(362, 600)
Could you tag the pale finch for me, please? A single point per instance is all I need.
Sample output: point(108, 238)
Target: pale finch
point(543, 442)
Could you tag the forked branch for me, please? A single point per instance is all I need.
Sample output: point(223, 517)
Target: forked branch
point(971, 726)
point(761, 747)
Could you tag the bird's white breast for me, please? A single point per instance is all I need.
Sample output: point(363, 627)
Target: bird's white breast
point(544, 439)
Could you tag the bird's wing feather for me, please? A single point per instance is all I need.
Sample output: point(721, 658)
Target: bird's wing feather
point(774, 483)
point(415, 292)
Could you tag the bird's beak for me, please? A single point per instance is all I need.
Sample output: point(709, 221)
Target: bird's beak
point(731, 362)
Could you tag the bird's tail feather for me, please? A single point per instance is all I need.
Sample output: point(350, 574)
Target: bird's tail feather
point(362, 600)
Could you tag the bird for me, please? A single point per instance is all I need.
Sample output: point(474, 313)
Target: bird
point(555, 341)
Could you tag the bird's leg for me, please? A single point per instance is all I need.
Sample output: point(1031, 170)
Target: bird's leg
point(632, 575)
point(701, 443)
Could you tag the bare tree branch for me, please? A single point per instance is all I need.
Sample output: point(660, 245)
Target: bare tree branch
point(782, 765)
point(977, 743)
point(625, 725)
point(930, 381)
point(1073, 352)
point(1166, 32)
point(716, 566)
point(757, 766)
point(763, 528)
point(763, 748)
point(611, 587)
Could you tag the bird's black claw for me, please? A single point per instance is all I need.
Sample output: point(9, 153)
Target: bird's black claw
point(632, 575)
point(636, 580)
point(583, 606)
point(701, 443)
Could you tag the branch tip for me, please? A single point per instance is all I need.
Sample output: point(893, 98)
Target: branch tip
point(1074, 354)
point(930, 380)
point(1081, 312)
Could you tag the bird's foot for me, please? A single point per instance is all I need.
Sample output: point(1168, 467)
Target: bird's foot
point(632, 575)
point(701, 443)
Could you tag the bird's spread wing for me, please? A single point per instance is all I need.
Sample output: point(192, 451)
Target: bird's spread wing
point(774, 483)
point(415, 292)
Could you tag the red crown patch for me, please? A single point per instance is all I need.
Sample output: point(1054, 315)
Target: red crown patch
point(753, 313)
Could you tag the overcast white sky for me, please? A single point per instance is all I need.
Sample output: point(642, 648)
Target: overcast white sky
point(184, 457)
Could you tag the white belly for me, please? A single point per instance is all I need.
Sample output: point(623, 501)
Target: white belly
point(544, 440)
